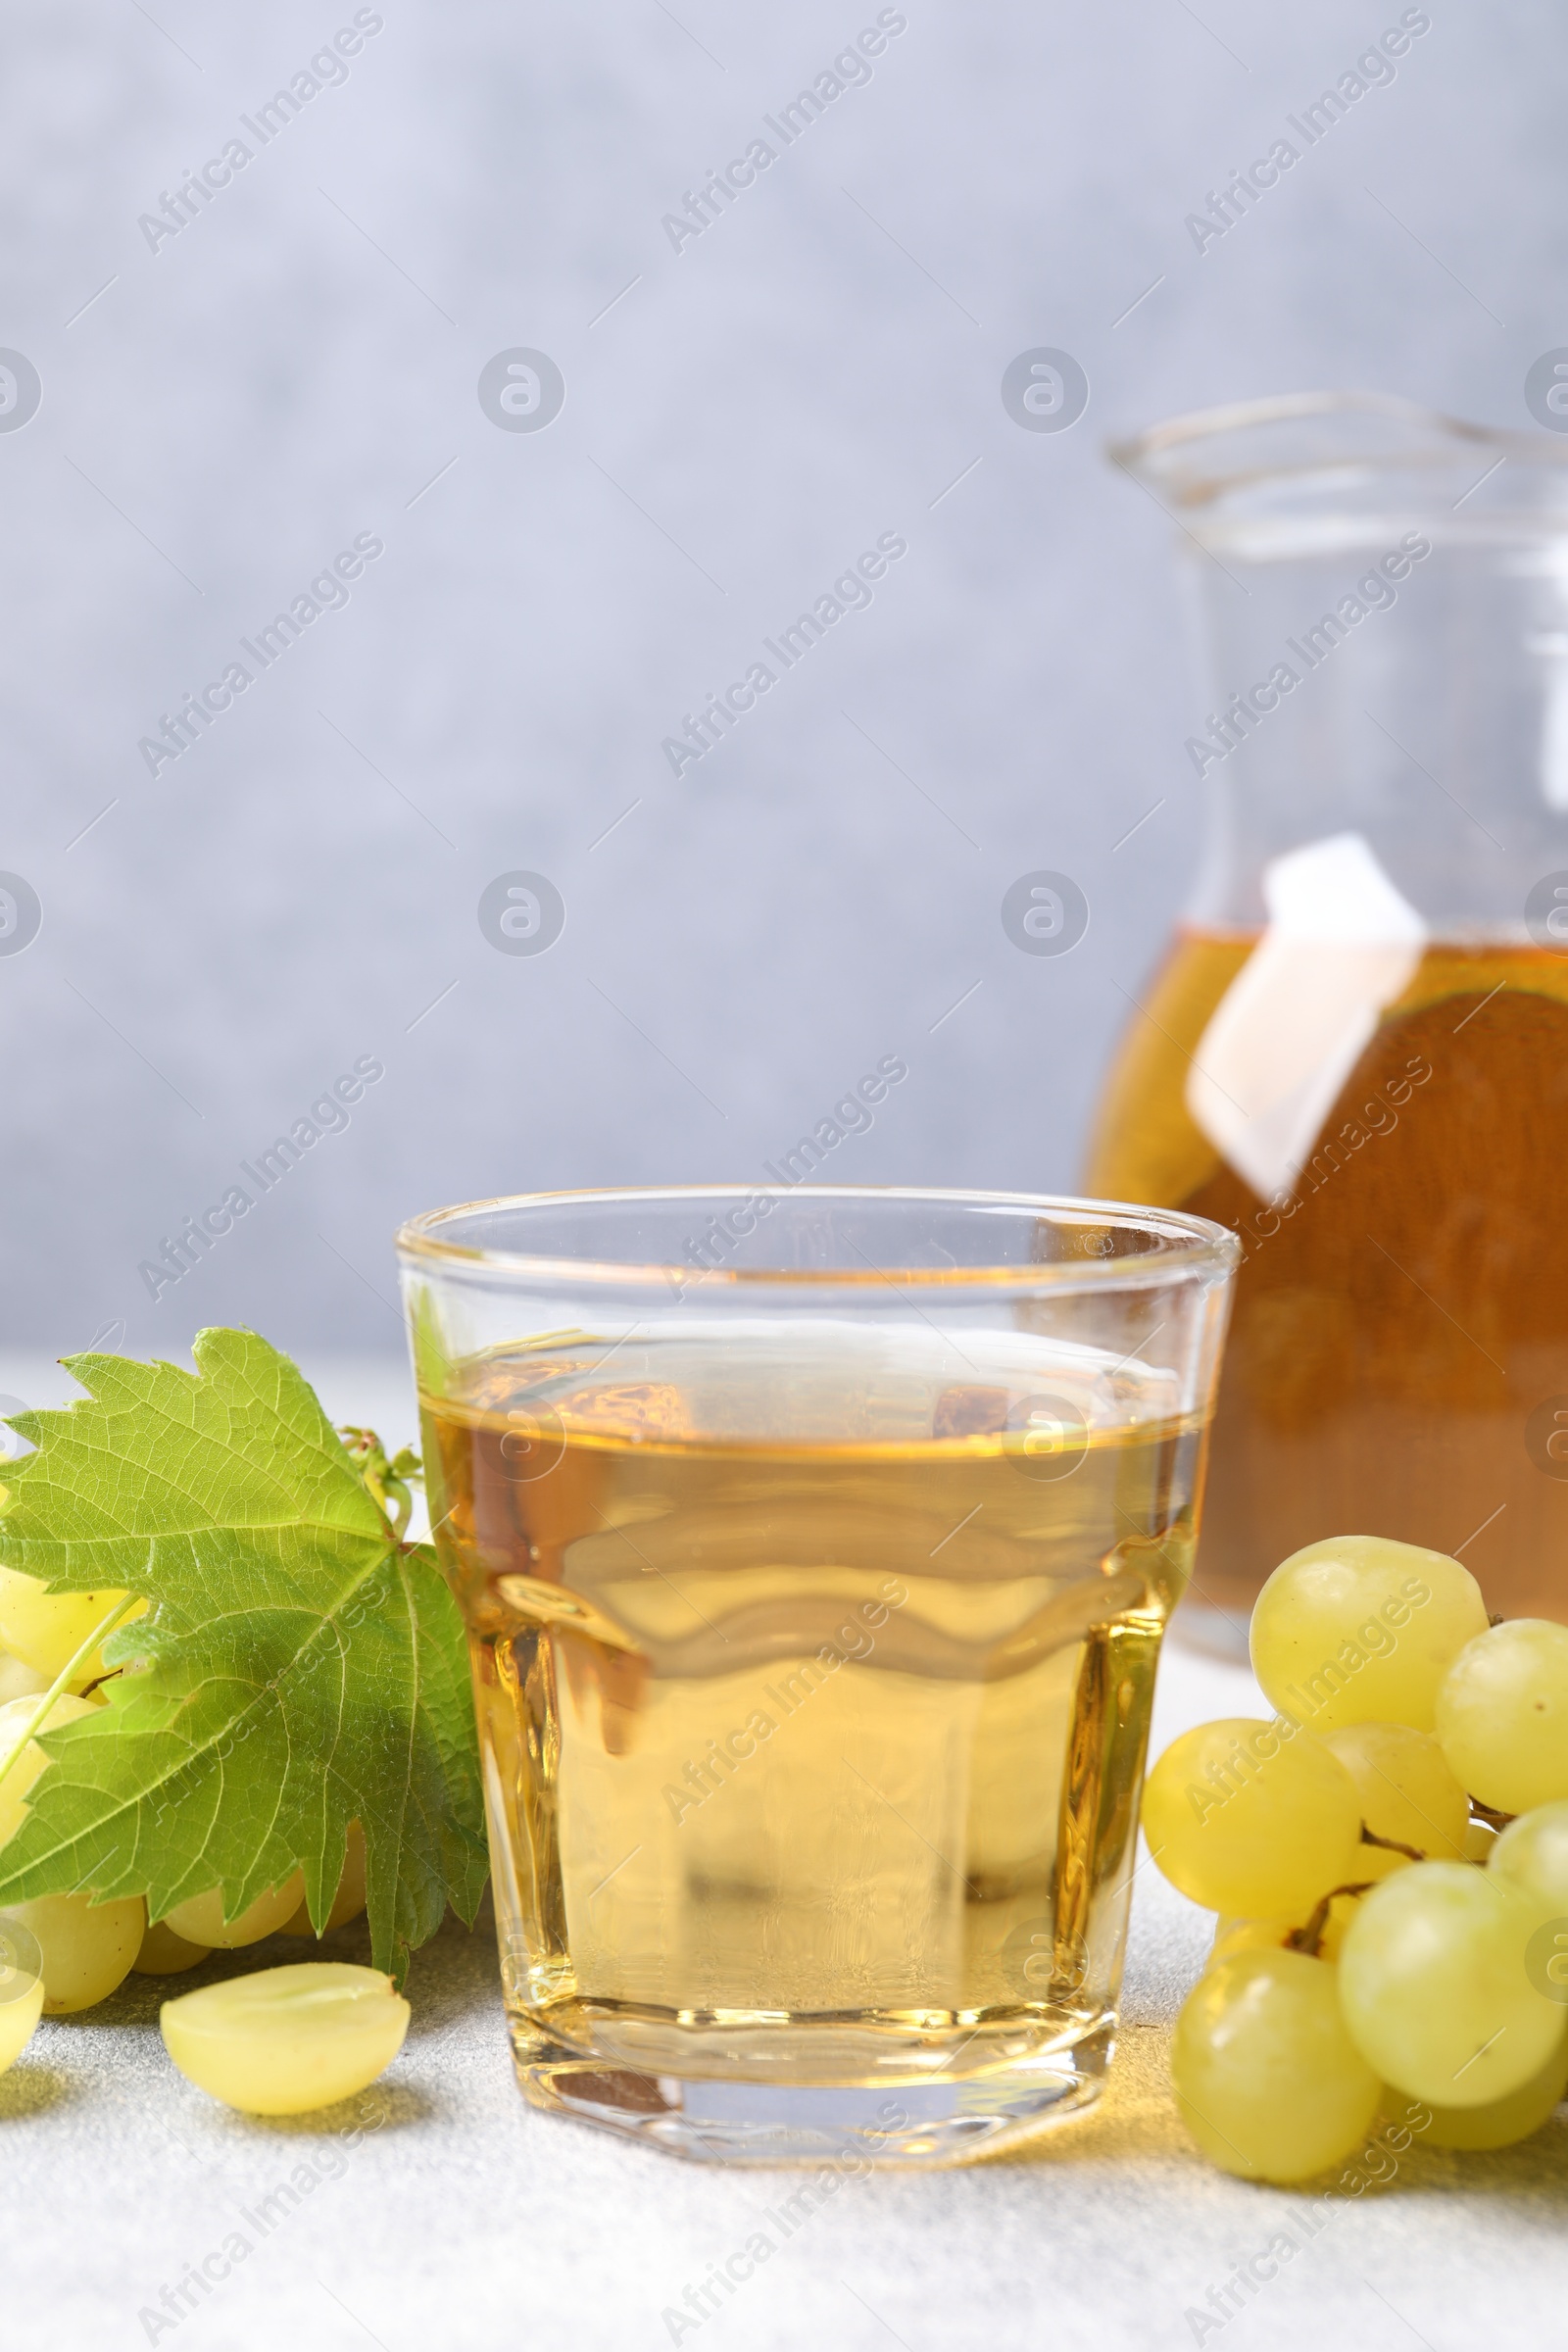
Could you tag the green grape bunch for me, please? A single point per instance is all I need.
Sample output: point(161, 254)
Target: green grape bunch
point(1389, 1856)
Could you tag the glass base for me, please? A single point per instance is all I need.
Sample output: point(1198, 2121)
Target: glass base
point(848, 2127)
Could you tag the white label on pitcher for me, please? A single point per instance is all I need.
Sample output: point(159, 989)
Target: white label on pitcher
point(1341, 942)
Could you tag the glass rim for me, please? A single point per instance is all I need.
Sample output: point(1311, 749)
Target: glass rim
point(1419, 438)
point(1180, 1244)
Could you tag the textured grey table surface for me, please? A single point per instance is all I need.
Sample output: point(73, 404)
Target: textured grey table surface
point(440, 2211)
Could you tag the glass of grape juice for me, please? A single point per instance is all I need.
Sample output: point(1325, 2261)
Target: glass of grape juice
point(814, 1546)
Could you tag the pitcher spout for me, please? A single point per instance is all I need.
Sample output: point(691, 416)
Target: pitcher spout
point(1252, 471)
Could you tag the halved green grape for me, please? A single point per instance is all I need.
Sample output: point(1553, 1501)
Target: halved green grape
point(1502, 1715)
point(1532, 1854)
point(44, 1629)
point(1434, 1988)
point(287, 2039)
point(200, 1918)
point(1266, 2078)
point(1408, 1793)
point(1254, 1818)
point(163, 1953)
point(87, 1948)
point(1359, 1629)
point(1503, 2121)
point(21, 1988)
point(349, 1900)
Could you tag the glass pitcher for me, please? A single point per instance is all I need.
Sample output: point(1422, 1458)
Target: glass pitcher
point(1355, 1051)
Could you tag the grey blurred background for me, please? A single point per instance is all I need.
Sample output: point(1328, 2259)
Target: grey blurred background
point(299, 365)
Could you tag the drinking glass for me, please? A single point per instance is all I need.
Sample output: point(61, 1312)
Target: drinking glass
point(814, 1546)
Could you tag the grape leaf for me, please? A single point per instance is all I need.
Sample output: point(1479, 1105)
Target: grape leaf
point(298, 1667)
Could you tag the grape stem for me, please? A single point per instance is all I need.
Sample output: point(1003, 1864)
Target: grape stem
point(1391, 1846)
point(1309, 1937)
point(1490, 1815)
point(100, 1633)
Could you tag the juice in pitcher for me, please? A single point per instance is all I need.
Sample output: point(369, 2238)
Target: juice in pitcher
point(1356, 1050)
point(1399, 1351)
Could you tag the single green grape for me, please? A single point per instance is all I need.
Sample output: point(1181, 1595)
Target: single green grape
point(21, 1988)
point(87, 1946)
point(1501, 2122)
point(19, 1679)
point(45, 1629)
point(1434, 1988)
point(1252, 1818)
point(1408, 1793)
point(1337, 1926)
point(349, 1900)
point(287, 2039)
point(1273, 1935)
point(1359, 1627)
point(199, 1919)
point(1503, 1714)
point(19, 2021)
point(163, 1953)
point(1266, 2078)
point(1233, 1935)
point(1532, 1854)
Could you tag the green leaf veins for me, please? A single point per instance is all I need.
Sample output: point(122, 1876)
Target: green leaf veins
point(298, 1667)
